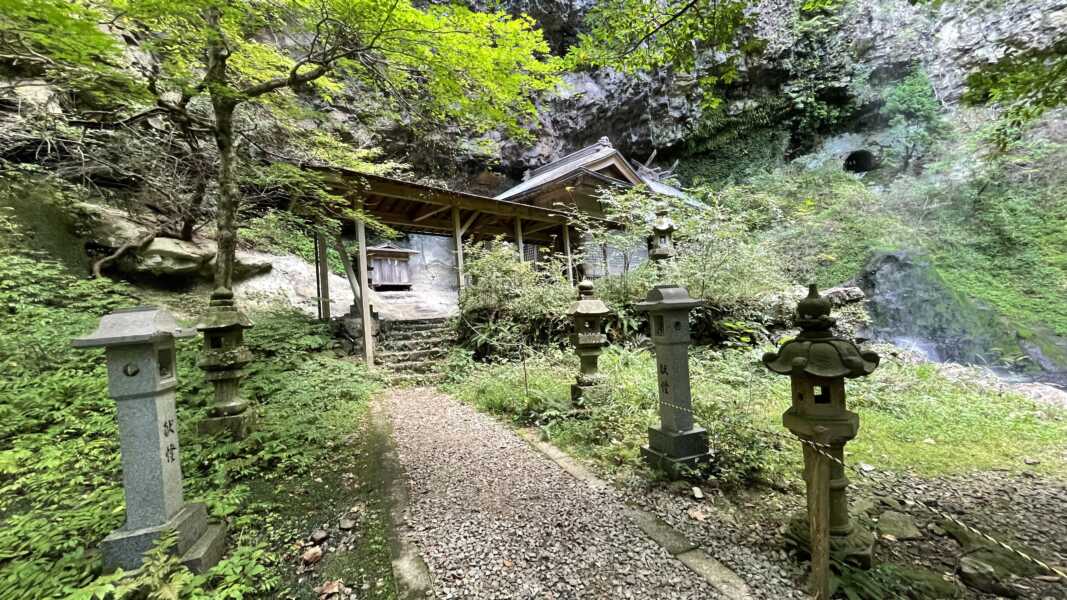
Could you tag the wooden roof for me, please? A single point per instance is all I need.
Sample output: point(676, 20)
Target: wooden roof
point(420, 208)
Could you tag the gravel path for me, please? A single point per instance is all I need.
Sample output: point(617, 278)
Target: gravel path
point(493, 518)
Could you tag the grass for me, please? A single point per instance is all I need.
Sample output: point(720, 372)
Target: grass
point(60, 475)
point(912, 417)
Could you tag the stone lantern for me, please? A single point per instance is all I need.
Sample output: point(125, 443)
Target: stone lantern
point(223, 357)
point(818, 363)
point(142, 377)
point(662, 235)
point(678, 441)
point(588, 338)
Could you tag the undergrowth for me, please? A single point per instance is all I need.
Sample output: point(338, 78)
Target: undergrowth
point(60, 474)
point(912, 416)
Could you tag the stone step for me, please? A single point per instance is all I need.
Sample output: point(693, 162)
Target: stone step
point(417, 335)
point(418, 343)
point(418, 324)
point(389, 358)
point(414, 379)
point(410, 366)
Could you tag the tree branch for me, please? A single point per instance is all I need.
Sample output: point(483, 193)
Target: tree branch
point(101, 125)
point(633, 48)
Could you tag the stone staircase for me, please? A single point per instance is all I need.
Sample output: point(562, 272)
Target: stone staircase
point(409, 349)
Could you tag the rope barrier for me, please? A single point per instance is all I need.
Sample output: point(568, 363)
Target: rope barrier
point(820, 448)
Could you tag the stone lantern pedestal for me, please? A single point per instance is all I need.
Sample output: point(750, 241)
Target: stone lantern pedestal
point(223, 358)
point(588, 338)
point(142, 376)
point(817, 364)
point(678, 442)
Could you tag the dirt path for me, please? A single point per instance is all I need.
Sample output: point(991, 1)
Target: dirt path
point(493, 518)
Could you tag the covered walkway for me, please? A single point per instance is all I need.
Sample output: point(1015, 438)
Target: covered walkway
point(425, 209)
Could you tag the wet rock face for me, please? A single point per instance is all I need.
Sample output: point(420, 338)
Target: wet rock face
point(911, 306)
point(637, 112)
point(968, 36)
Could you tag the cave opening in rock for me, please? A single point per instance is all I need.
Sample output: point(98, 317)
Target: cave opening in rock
point(860, 161)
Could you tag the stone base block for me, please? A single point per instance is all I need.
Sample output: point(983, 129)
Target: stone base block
point(200, 543)
point(208, 550)
point(238, 426)
point(583, 394)
point(672, 450)
point(856, 548)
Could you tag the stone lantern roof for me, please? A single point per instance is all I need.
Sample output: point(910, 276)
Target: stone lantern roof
point(668, 297)
point(816, 351)
point(140, 325)
point(222, 313)
point(663, 222)
point(587, 304)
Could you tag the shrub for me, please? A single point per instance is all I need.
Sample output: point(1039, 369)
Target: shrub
point(511, 302)
point(614, 425)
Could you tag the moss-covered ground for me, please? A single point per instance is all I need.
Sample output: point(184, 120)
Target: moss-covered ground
point(304, 467)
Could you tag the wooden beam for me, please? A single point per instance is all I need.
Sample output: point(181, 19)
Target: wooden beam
point(388, 188)
point(518, 239)
point(323, 266)
point(457, 235)
point(540, 227)
point(429, 212)
point(567, 251)
point(364, 297)
point(470, 221)
point(350, 273)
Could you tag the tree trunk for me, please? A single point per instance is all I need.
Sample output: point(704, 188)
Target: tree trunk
point(229, 194)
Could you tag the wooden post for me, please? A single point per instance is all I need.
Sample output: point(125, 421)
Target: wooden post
point(350, 273)
point(323, 266)
point(818, 471)
point(518, 239)
point(567, 251)
point(457, 234)
point(364, 297)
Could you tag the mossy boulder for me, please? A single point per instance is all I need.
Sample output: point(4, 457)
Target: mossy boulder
point(989, 567)
point(928, 583)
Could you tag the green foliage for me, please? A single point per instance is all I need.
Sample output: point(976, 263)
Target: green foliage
point(1025, 85)
point(307, 194)
point(717, 259)
point(511, 302)
point(733, 149)
point(914, 117)
point(61, 40)
point(997, 235)
point(823, 225)
point(162, 577)
point(477, 68)
point(614, 425)
point(282, 232)
point(60, 484)
point(819, 63)
point(641, 35)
